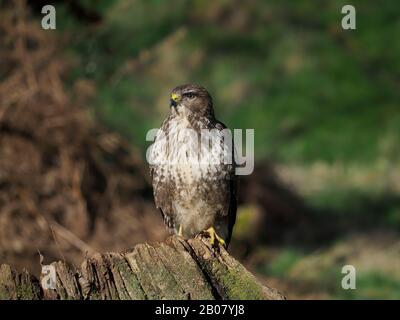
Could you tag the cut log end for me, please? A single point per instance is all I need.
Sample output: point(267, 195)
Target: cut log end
point(174, 269)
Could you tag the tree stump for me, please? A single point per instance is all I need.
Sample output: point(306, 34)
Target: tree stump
point(174, 269)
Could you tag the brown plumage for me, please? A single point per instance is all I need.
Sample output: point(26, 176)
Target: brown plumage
point(192, 187)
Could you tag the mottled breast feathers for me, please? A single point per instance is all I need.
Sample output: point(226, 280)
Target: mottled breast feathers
point(194, 187)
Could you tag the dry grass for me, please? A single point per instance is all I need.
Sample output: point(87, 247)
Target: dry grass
point(67, 186)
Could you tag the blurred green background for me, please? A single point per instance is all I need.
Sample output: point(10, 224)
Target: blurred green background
point(324, 103)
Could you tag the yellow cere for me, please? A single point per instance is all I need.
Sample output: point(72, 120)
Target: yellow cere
point(175, 96)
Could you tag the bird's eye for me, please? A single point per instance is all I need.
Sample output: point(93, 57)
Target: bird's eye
point(190, 95)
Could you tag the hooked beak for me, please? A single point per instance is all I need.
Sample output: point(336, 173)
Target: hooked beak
point(175, 98)
point(172, 103)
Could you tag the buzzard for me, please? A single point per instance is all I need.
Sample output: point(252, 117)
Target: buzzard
point(194, 186)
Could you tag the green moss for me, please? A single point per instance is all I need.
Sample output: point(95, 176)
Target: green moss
point(242, 287)
point(27, 292)
point(4, 293)
point(95, 295)
point(236, 282)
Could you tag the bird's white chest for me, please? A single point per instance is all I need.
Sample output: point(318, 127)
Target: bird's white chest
point(183, 156)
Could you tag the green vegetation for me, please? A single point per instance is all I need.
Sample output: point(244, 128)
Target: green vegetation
point(313, 92)
point(283, 263)
point(373, 285)
point(321, 272)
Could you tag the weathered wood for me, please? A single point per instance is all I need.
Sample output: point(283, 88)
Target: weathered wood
point(175, 269)
point(21, 286)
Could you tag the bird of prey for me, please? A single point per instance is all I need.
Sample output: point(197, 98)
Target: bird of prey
point(194, 187)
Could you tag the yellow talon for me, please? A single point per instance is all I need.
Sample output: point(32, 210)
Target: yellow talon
point(180, 232)
point(213, 235)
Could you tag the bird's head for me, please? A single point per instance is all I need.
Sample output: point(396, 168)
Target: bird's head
point(191, 98)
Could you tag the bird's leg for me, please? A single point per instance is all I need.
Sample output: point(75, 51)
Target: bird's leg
point(180, 232)
point(214, 236)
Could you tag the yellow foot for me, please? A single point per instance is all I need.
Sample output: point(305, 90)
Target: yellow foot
point(180, 232)
point(213, 236)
